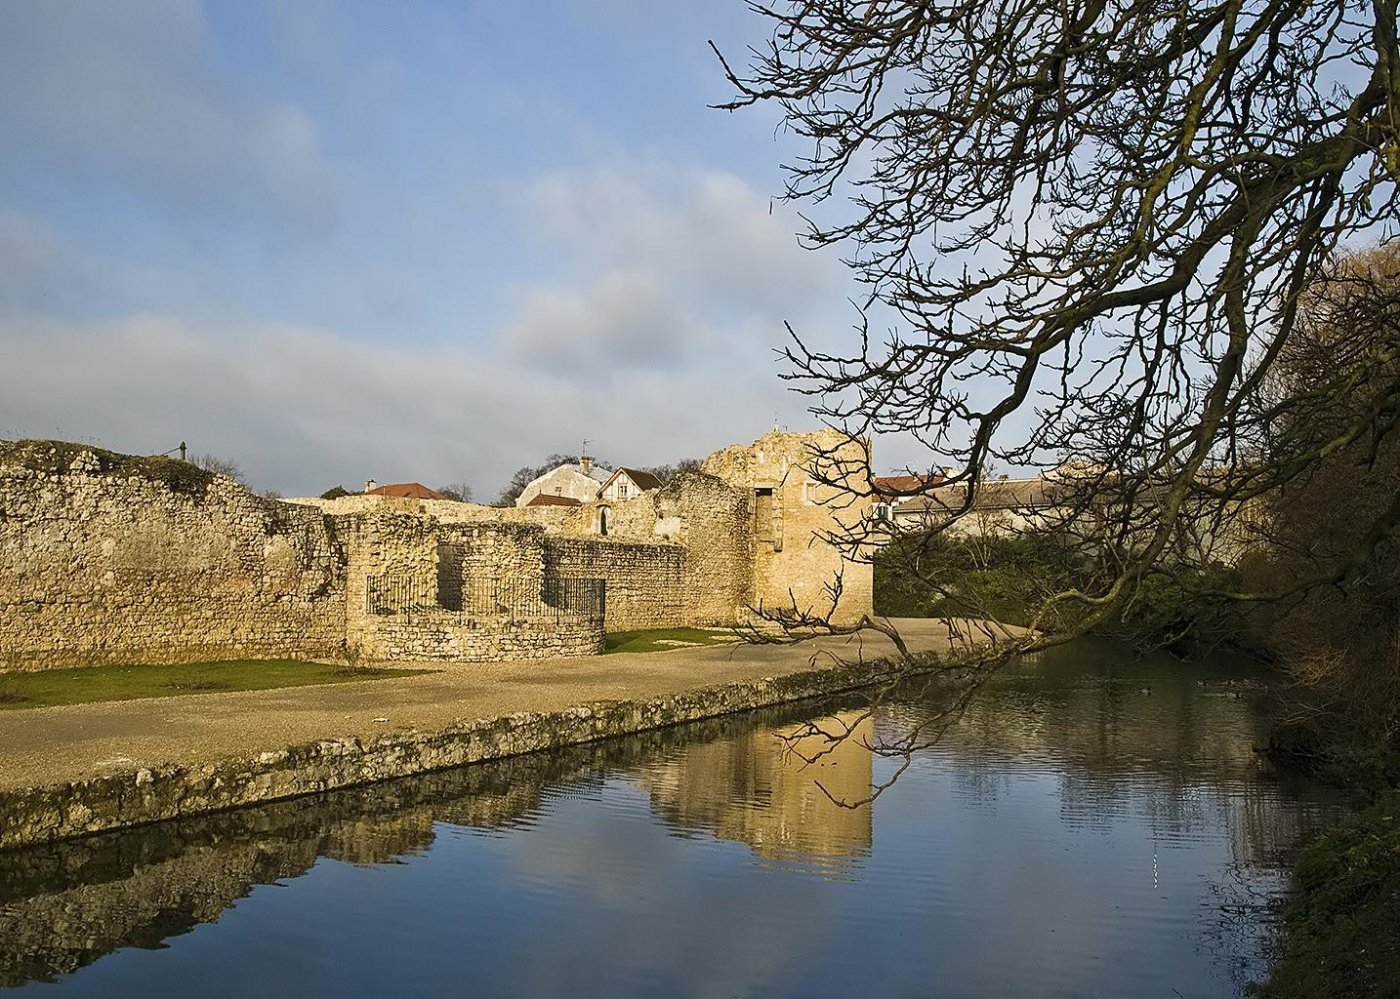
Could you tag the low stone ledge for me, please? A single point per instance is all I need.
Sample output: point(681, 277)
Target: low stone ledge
point(154, 794)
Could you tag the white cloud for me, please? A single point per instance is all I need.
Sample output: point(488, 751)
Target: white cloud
point(625, 319)
point(709, 232)
point(664, 269)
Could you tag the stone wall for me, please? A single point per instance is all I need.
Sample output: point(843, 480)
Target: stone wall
point(446, 511)
point(453, 637)
point(500, 551)
point(464, 592)
point(110, 559)
point(645, 582)
point(796, 518)
point(703, 515)
point(712, 519)
point(403, 547)
point(107, 558)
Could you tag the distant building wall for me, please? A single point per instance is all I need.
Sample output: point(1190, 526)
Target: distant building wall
point(566, 480)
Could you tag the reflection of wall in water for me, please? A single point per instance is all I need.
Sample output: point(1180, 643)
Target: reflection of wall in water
point(55, 932)
point(138, 888)
point(64, 905)
point(753, 789)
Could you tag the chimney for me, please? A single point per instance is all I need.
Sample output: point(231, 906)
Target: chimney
point(370, 485)
point(586, 463)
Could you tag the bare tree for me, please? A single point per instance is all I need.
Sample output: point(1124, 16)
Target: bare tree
point(219, 466)
point(1339, 645)
point(1109, 215)
point(1094, 228)
point(666, 473)
point(459, 491)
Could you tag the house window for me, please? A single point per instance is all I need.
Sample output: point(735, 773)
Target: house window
point(621, 488)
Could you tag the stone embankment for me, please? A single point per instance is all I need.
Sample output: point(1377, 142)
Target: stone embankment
point(42, 814)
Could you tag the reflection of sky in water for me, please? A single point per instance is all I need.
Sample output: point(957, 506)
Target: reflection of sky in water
point(1077, 834)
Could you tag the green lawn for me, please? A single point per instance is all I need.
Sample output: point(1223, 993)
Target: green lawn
point(124, 683)
point(665, 639)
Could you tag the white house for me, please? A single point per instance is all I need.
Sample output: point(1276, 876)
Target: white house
point(580, 482)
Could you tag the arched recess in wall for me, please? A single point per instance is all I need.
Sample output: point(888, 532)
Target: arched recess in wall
point(600, 519)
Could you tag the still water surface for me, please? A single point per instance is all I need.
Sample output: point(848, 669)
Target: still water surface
point(1095, 826)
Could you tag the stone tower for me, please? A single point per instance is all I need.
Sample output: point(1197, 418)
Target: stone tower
point(809, 491)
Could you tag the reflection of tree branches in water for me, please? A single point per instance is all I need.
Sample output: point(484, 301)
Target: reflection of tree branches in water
point(1239, 924)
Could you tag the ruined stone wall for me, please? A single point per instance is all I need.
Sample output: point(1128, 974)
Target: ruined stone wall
point(110, 559)
point(495, 551)
point(446, 511)
point(452, 637)
point(645, 582)
point(795, 516)
point(360, 503)
point(450, 512)
point(106, 558)
point(641, 518)
point(473, 592)
point(399, 546)
point(704, 515)
point(712, 519)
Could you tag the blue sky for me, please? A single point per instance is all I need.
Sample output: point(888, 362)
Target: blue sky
point(430, 241)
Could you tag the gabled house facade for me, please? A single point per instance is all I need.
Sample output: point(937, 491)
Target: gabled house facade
point(628, 483)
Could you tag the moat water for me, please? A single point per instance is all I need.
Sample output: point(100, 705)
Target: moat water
point(1095, 825)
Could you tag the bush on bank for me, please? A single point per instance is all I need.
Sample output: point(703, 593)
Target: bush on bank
point(1008, 577)
point(1339, 940)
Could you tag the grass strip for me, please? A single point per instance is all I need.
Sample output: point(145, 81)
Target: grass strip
point(664, 639)
point(92, 684)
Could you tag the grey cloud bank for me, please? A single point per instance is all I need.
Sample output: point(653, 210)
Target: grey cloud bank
point(303, 409)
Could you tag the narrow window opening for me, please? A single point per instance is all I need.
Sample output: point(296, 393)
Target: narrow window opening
point(763, 514)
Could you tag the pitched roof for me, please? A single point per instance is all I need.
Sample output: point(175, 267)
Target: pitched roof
point(997, 494)
point(408, 490)
point(548, 499)
point(644, 480)
point(904, 485)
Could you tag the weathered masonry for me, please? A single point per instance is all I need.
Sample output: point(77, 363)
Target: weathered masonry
point(107, 558)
